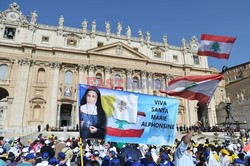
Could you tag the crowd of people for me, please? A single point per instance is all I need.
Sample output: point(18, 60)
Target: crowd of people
point(53, 151)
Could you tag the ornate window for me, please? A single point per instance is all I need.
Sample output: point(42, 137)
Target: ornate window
point(99, 44)
point(157, 53)
point(135, 83)
point(3, 72)
point(158, 84)
point(71, 42)
point(196, 60)
point(98, 79)
point(68, 77)
point(41, 75)
point(117, 81)
point(45, 39)
point(9, 33)
point(37, 113)
point(175, 58)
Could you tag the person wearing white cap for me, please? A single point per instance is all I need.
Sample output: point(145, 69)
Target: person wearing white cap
point(68, 152)
point(59, 146)
point(47, 148)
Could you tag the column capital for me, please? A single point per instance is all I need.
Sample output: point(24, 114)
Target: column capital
point(150, 74)
point(129, 71)
point(144, 73)
point(169, 76)
point(91, 67)
point(107, 69)
point(81, 67)
point(55, 65)
point(26, 62)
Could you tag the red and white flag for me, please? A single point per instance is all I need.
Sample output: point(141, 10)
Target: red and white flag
point(216, 46)
point(199, 88)
point(122, 128)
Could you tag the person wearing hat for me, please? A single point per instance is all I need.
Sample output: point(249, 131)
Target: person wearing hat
point(225, 161)
point(165, 161)
point(106, 161)
point(11, 159)
point(45, 158)
point(112, 154)
point(30, 159)
point(149, 158)
point(115, 162)
point(47, 148)
point(53, 161)
point(59, 146)
point(128, 160)
point(68, 152)
point(62, 159)
point(96, 156)
point(181, 157)
point(238, 162)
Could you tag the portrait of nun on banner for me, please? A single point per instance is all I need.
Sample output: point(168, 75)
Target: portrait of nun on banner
point(92, 116)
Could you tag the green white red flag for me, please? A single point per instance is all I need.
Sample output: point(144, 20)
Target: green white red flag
point(199, 88)
point(216, 46)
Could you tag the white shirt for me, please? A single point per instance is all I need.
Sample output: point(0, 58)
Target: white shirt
point(181, 158)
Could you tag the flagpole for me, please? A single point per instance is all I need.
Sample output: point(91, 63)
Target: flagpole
point(81, 152)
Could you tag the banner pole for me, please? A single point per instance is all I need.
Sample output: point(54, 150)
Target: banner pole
point(81, 152)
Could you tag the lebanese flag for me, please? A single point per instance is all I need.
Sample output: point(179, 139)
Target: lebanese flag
point(199, 88)
point(216, 46)
point(122, 128)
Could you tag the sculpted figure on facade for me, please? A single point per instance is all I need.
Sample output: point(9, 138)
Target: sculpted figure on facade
point(108, 27)
point(128, 32)
point(61, 21)
point(33, 17)
point(184, 45)
point(84, 25)
point(165, 40)
point(140, 35)
point(119, 28)
point(148, 36)
point(193, 43)
point(14, 7)
point(93, 28)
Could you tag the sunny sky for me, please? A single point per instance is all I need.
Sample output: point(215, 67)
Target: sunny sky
point(175, 18)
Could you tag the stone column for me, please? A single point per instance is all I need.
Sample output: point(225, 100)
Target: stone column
point(21, 92)
point(129, 80)
point(53, 93)
point(91, 76)
point(108, 81)
point(144, 80)
point(58, 115)
point(73, 115)
point(150, 83)
point(81, 69)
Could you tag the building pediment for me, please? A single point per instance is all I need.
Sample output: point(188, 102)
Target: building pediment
point(13, 15)
point(118, 49)
point(72, 35)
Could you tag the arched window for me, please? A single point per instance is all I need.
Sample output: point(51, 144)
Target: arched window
point(37, 113)
point(68, 77)
point(98, 79)
point(117, 81)
point(135, 83)
point(158, 84)
point(3, 72)
point(41, 75)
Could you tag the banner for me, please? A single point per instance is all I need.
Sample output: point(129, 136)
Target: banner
point(120, 116)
